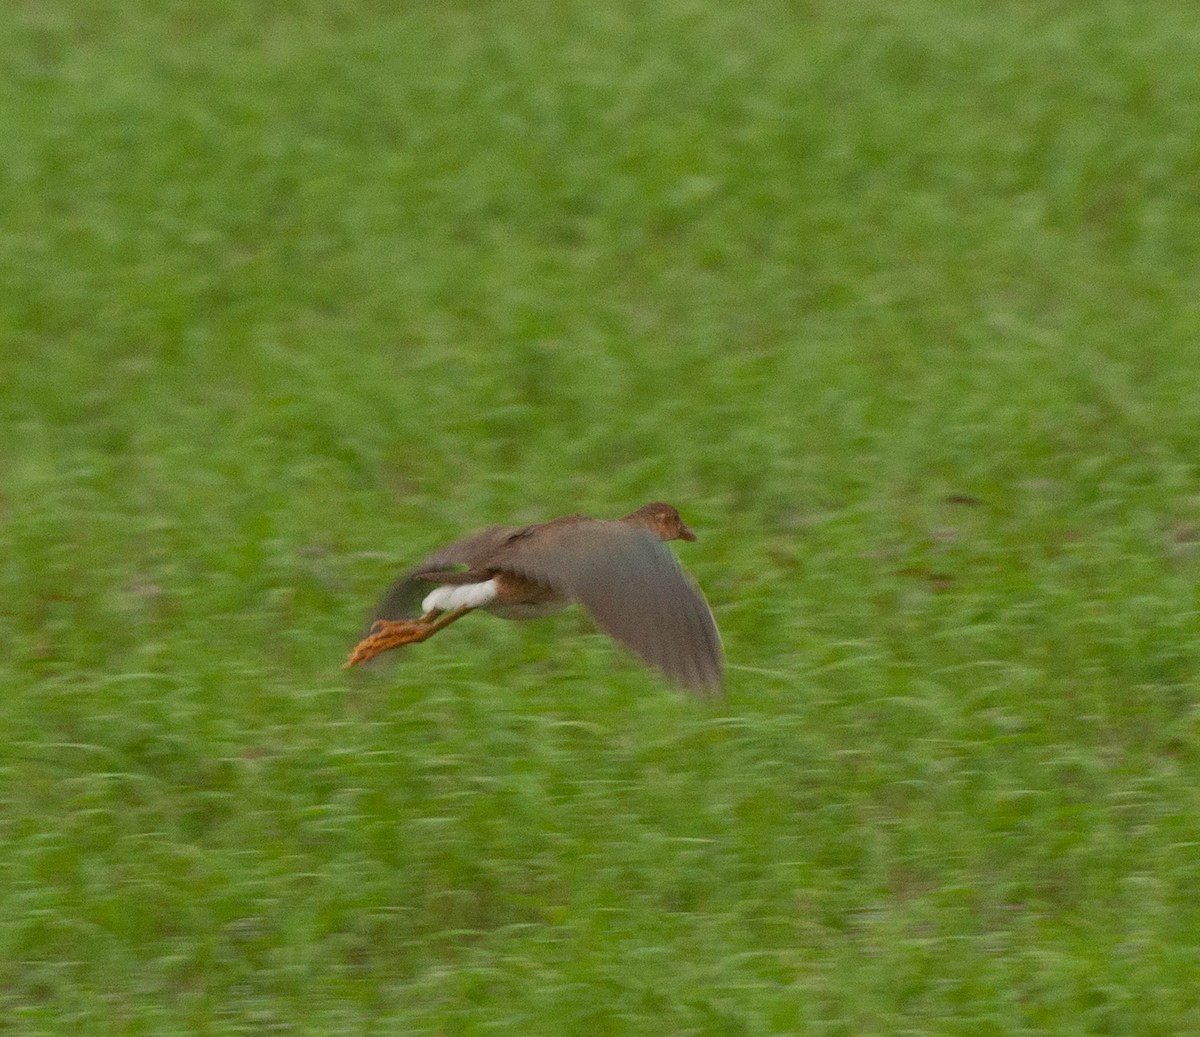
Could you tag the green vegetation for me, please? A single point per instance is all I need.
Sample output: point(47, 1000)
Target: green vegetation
point(899, 302)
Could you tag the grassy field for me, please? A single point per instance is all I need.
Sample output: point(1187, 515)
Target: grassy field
point(898, 301)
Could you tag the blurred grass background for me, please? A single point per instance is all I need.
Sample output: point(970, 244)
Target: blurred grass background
point(899, 302)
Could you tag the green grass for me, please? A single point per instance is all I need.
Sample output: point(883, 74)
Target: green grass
point(899, 302)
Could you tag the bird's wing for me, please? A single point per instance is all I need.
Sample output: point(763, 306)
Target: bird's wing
point(631, 583)
point(402, 600)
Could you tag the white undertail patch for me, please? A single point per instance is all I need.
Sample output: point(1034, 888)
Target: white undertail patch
point(460, 595)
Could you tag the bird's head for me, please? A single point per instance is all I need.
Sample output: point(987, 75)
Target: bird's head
point(662, 520)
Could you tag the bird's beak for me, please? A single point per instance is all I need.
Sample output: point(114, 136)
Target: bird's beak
point(685, 533)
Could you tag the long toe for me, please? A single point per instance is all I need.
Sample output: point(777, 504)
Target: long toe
point(385, 635)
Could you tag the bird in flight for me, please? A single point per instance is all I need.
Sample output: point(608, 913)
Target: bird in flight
point(618, 569)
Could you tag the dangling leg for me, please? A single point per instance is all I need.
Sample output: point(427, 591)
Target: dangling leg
point(387, 633)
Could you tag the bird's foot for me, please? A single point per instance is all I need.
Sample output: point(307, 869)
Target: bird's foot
point(386, 634)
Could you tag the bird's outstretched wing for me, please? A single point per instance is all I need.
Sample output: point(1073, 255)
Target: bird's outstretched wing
point(631, 583)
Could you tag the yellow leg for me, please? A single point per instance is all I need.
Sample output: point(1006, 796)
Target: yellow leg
point(386, 634)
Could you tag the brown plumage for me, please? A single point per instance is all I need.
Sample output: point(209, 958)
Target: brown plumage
point(618, 569)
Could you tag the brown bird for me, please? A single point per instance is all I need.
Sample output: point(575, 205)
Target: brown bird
point(618, 569)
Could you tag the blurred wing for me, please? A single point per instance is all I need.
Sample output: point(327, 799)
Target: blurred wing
point(402, 599)
point(630, 581)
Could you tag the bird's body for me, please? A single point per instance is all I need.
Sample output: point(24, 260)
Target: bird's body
point(503, 595)
point(618, 569)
